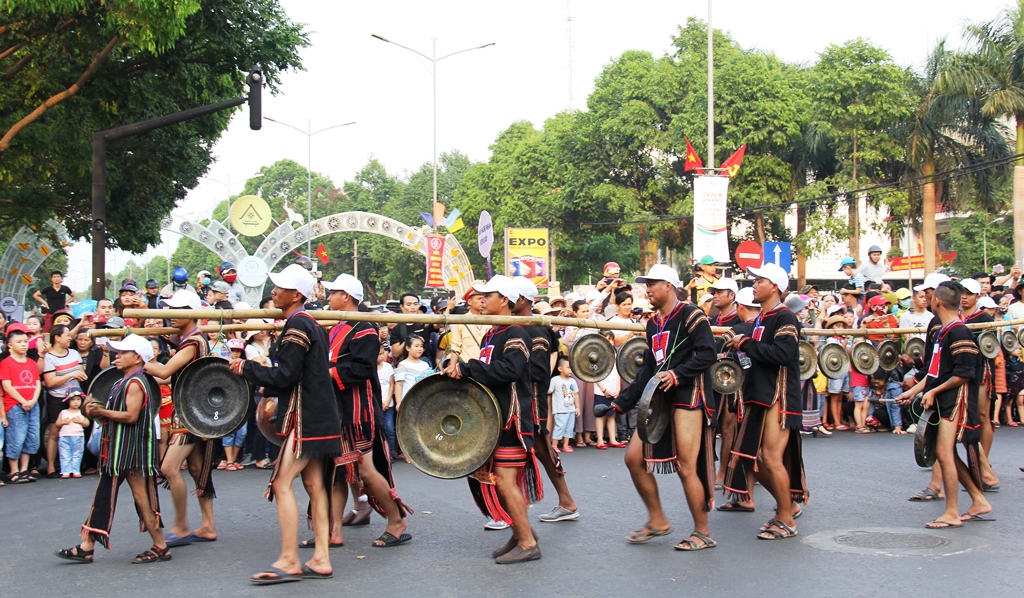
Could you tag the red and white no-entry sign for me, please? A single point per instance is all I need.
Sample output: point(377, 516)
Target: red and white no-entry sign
point(749, 255)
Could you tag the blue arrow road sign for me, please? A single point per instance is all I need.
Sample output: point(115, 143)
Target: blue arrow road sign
point(778, 253)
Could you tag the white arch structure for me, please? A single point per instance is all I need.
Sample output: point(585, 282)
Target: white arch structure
point(28, 249)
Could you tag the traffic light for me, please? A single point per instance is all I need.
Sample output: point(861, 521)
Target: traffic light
point(255, 81)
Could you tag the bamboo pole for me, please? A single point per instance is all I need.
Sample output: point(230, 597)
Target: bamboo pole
point(329, 318)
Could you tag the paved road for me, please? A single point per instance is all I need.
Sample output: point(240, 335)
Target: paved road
point(859, 486)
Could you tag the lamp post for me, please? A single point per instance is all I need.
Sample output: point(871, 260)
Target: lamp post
point(433, 72)
point(228, 185)
point(309, 167)
point(984, 239)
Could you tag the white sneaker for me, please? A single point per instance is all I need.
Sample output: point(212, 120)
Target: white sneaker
point(559, 514)
point(912, 429)
point(495, 525)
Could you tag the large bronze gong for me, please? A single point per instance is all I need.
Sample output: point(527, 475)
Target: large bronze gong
point(210, 400)
point(889, 355)
point(448, 428)
point(834, 361)
point(808, 360)
point(630, 358)
point(864, 358)
point(726, 376)
point(103, 383)
point(592, 358)
point(914, 347)
point(653, 413)
point(266, 414)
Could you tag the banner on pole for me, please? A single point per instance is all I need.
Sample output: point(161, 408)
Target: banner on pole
point(485, 235)
point(527, 254)
point(435, 261)
point(710, 222)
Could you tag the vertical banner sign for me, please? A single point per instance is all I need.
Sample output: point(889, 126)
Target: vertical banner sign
point(527, 254)
point(710, 223)
point(485, 235)
point(435, 259)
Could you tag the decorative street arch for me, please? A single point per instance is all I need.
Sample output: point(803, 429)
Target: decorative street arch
point(25, 252)
point(28, 249)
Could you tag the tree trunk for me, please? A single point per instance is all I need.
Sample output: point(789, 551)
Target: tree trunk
point(928, 218)
point(643, 250)
point(853, 209)
point(759, 229)
point(801, 259)
point(1018, 195)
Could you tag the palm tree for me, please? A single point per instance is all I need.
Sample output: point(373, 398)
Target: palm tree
point(949, 130)
point(994, 75)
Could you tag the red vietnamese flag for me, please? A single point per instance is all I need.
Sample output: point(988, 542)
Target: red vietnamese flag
point(321, 254)
point(734, 161)
point(693, 161)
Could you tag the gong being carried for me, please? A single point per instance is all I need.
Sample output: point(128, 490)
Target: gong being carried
point(104, 382)
point(448, 428)
point(266, 415)
point(210, 400)
point(592, 358)
point(653, 413)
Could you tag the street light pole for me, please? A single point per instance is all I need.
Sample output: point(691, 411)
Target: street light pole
point(228, 185)
point(309, 167)
point(984, 239)
point(433, 72)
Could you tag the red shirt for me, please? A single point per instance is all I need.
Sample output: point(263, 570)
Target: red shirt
point(24, 377)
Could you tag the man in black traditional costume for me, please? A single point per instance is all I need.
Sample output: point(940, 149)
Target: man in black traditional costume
point(769, 432)
point(510, 478)
point(128, 453)
point(307, 419)
point(680, 350)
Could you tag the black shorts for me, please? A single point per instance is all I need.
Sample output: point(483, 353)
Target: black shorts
point(54, 405)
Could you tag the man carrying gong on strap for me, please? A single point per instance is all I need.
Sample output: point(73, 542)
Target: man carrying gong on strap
point(183, 446)
point(681, 350)
point(769, 432)
point(354, 347)
point(307, 418)
point(502, 487)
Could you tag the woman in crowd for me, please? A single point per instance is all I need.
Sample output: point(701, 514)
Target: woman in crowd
point(62, 372)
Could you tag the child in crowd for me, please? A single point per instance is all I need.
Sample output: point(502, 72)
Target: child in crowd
point(386, 376)
point(71, 425)
point(19, 376)
point(411, 369)
point(233, 442)
point(837, 387)
point(565, 405)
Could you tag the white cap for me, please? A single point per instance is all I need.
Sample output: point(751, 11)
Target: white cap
point(745, 296)
point(705, 298)
point(987, 303)
point(135, 343)
point(931, 281)
point(832, 310)
point(772, 272)
point(725, 284)
point(347, 283)
point(660, 272)
point(295, 277)
point(182, 298)
point(525, 287)
point(971, 286)
point(499, 283)
point(241, 305)
point(593, 296)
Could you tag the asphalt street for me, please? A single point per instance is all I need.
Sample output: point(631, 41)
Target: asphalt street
point(859, 536)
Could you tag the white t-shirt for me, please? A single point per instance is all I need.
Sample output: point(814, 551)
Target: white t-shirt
point(610, 384)
point(563, 395)
point(913, 320)
point(409, 373)
point(254, 350)
point(384, 373)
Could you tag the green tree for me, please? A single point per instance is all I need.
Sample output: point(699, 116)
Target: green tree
point(993, 73)
point(125, 62)
point(860, 94)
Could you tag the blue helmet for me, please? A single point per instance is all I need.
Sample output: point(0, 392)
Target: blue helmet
point(180, 275)
point(224, 267)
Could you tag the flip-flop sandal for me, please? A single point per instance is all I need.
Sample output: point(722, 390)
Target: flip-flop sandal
point(941, 525)
point(390, 540)
point(311, 543)
point(975, 517)
point(734, 506)
point(926, 495)
point(646, 533)
point(309, 573)
point(987, 488)
point(282, 577)
point(719, 486)
point(174, 540)
point(783, 532)
point(692, 546)
point(76, 554)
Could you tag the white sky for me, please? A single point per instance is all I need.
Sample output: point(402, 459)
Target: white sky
point(350, 76)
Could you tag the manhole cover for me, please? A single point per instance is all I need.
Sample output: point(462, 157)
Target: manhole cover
point(894, 542)
point(889, 540)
